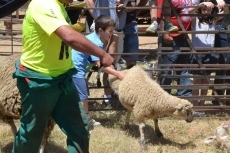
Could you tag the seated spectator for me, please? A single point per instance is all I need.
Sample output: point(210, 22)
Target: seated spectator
point(176, 40)
point(153, 14)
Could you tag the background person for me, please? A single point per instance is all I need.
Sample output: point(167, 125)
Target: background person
point(153, 15)
point(221, 40)
point(104, 27)
point(176, 40)
point(131, 40)
point(116, 42)
point(205, 23)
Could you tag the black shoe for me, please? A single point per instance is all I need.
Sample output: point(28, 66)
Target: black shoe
point(106, 104)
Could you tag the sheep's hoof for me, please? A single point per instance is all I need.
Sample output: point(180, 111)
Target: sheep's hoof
point(159, 134)
point(143, 145)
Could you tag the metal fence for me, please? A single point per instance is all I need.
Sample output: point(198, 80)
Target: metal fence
point(11, 43)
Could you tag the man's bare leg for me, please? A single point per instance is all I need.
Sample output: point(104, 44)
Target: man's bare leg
point(153, 14)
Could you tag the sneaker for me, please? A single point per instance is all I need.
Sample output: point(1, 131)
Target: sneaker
point(170, 27)
point(119, 67)
point(121, 61)
point(198, 114)
point(152, 28)
point(93, 123)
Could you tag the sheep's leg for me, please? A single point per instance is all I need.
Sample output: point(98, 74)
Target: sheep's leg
point(42, 147)
point(222, 146)
point(10, 121)
point(44, 139)
point(142, 135)
point(46, 135)
point(157, 130)
point(127, 118)
point(13, 127)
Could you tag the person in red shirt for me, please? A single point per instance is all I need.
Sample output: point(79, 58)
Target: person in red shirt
point(176, 40)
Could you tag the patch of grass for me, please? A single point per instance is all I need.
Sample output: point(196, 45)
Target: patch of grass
point(112, 137)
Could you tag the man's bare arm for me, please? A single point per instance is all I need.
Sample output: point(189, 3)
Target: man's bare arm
point(90, 4)
point(141, 3)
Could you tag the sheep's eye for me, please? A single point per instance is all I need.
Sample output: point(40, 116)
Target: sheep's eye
point(188, 112)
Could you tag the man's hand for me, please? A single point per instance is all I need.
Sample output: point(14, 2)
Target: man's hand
point(106, 60)
point(120, 7)
point(209, 5)
point(167, 39)
point(221, 4)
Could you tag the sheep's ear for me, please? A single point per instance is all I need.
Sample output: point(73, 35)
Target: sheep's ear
point(179, 106)
point(209, 139)
point(187, 107)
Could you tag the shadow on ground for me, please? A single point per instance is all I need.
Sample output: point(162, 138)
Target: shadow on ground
point(49, 148)
point(150, 135)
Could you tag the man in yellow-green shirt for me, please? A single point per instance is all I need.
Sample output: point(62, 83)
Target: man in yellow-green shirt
point(44, 80)
point(43, 50)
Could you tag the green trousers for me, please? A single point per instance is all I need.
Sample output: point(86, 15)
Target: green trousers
point(38, 105)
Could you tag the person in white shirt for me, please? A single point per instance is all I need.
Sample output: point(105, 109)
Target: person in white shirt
point(205, 23)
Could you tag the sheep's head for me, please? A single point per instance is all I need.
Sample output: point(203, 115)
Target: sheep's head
point(222, 130)
point(184, 111)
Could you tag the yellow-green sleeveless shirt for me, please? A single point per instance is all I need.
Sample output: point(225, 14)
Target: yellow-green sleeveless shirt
point(43, 51)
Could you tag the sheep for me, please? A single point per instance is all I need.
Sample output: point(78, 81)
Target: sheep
point(10, 100)
point(137, 92)
point(221, 136)
point(10, 104)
